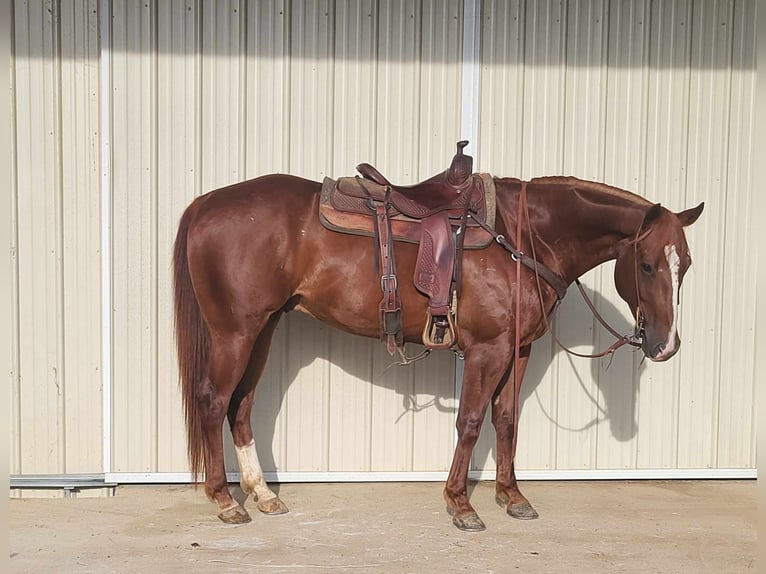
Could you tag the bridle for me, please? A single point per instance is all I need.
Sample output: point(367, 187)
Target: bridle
point(560, 285)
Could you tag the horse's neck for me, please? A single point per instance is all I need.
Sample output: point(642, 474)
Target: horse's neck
point(580, 230)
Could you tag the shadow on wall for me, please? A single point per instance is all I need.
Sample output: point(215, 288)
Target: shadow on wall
point(617, 380)
point(514, 32)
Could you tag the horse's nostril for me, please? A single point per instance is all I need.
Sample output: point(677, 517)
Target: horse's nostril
point(658, 348)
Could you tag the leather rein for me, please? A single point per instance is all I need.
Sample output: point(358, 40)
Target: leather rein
point(559, 285)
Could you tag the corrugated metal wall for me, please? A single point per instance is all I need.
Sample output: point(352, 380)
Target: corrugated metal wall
point(655, 97)
point(56, 421)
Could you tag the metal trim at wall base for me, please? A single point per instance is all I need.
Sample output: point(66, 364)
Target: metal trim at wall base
point(114, 479)
point(441, 476)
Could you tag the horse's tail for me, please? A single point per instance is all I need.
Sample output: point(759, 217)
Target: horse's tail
point(192, 343)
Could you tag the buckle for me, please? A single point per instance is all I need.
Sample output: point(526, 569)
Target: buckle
point(386, 279)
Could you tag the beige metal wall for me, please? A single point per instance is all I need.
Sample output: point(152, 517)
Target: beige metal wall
point(56, 421)
point(656, 97)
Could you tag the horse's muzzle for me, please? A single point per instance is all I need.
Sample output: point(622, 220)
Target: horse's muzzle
point(662, 351)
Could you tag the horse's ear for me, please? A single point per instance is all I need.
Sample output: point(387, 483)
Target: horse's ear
point(652, 215)
point(690, 215)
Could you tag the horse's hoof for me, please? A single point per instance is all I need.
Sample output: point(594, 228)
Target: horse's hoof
point(469, 522)
point(234, 515)
point(272, 506)
point(522, 511)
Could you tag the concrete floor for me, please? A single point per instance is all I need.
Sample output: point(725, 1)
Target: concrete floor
point(660, 526)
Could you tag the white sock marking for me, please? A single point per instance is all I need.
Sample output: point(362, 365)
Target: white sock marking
point(252, 480)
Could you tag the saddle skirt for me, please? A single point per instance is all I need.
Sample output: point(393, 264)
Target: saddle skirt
point(346, 206)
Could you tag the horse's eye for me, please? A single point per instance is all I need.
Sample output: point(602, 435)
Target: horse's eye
point(646, 268)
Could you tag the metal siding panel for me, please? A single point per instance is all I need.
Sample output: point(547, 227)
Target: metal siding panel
point(543, 132)
point(306, 400)
point(583, 124)
point(14, 388)
point(81, 235)
point(435, 408)
point(268, 75)
point(440, 90)
point(398, 79)
point(501, 121)
point(666, 152)
point(311, 82)
point(396, 155)
point(350, 393)
point(736, 407)
point(266, 151)
point(178, 176)
point(440, 94)
point(269, 418)
point(354, 89)
point(502, 88)
point(134, 237)
point(38, 171)
point(623, 167)
point(349, 403)
point(223, 107)
point(700, 360)
point(391, 444)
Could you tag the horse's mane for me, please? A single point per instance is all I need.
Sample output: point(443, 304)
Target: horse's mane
point(573, 182)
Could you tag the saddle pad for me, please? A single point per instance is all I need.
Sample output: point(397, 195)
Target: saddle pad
point(346, 213)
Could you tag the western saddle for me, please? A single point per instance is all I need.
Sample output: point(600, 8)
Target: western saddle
point(441, 214)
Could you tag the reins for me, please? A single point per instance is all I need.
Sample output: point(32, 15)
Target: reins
point(560, 286)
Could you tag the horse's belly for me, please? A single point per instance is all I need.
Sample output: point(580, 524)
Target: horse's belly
point(343, 287)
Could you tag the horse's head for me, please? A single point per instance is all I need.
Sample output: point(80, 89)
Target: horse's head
point(648, 275)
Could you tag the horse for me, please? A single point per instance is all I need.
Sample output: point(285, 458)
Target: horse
point(248, 253)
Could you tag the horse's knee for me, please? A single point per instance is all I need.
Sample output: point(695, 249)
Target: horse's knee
point(503, 426)
point(469, 427)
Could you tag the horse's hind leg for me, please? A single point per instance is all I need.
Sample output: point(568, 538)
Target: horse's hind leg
point(505, 421)
point(229, 356)
point(252, 481)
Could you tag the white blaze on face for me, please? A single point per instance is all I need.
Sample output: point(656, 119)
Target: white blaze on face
point(674, 264)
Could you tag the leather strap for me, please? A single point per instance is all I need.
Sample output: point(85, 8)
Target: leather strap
point(390, 306)
point(517, 345)
point(559, 285)
point(622, 340)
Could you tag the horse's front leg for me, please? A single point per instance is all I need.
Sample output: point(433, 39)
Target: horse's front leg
point(505, 419)
point(484, 368)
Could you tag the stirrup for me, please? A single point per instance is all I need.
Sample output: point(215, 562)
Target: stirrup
point(439, 332)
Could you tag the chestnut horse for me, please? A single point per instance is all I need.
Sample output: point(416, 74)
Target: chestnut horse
point(246, 254)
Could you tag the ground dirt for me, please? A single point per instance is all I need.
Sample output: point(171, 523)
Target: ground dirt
point(658, 526)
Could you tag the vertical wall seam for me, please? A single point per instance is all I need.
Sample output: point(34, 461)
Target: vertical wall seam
point(287, 23)
point(643, 170)
point(106, 230)
point(198, 123)
point(15, 320)
point(154, 43)
point(243, 107)
point(58, 154)
point(684, 182)
point(725, 189)
point(469, 126)
point(332, 22)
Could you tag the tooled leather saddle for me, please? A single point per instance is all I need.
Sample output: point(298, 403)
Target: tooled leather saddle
point(434, 214)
